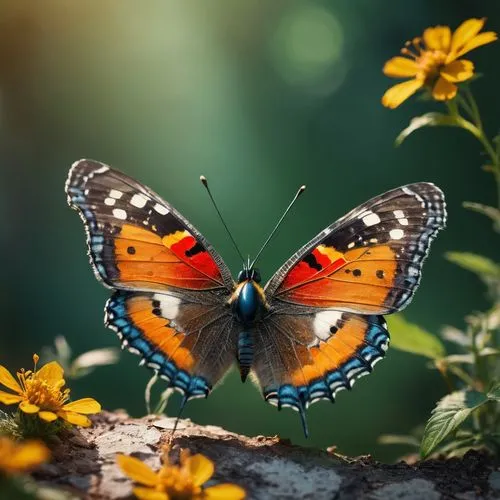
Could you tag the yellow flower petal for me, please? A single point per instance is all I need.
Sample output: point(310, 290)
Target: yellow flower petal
point(51, 372)
point(444, 90)
point(477, 41)
point(28, 455)
point(86, 406)
point(225, 492)
point(48, 416)
point(27, 407)
point(458, 71)
point(9, 381)
point(149, 494)
point(9, 399)
point(465, 32)
point(400, 67)
point(74, 418)
point(201, 469)
point(438, 38)
point(394, 96)
point(137, 470)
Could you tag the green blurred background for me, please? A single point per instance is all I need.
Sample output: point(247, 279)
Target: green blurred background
point(261, 97)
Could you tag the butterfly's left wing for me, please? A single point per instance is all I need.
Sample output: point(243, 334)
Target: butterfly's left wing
point(171, 285)
point(324, 328)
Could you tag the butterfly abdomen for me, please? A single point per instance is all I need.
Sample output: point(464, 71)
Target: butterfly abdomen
point(245, 354)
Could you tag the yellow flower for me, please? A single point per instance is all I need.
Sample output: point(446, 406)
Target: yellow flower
point(42, 392)
point(181, 482)
point(16, 458)
point(435, 62)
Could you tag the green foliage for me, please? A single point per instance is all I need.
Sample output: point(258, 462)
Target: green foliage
point(431, 119)
point(409, 337)
point(449, 413)
point(468, 417)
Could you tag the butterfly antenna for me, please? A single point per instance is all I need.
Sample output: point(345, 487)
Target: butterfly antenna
point(204, 181)
point(299, 192)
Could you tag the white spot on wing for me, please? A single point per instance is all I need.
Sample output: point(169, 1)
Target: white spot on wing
point(371, 219)
point(323, 321)
point(138, 200)
point(351, 245)
point(396, 234)
point(169, 305)
point(162, 210)
point(119, 213)
point(399, 214)
point(110, 201)
point(114, 193)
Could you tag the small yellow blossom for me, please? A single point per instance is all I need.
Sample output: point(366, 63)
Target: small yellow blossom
point(435, 62)
point(16, 458)
point(42, 392)
point(174, 482)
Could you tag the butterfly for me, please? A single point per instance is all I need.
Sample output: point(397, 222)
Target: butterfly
point(311, 331)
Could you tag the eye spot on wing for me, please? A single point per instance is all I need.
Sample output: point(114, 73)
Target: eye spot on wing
point(333, 330)
point(380, 274)
point(356, 272)
point(131, 250)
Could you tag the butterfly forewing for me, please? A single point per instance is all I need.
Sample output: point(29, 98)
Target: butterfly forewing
point(136, 240)
point(369, 261)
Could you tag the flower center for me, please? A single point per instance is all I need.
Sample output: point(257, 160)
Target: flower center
point(430, 63)
point(41, 393)
point(177, 482)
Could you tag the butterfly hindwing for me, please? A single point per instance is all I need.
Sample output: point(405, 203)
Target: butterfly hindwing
point(369, 261)
point(136, 240)
point(303, 358)
point(188, 342)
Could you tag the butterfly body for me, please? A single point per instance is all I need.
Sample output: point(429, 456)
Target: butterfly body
point(311, 331)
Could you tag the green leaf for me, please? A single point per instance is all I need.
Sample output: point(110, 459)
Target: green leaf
point(449, 413)
point(409, 337)
point(431, 119)
point(475, 263)
point(494, 392)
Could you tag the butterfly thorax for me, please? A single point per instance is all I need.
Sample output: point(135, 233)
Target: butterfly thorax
point(248, 300)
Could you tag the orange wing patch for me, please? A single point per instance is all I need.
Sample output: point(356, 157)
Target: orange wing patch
point(157, 331)
point(327, 278)
point(143, 258)
point(331, 355)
